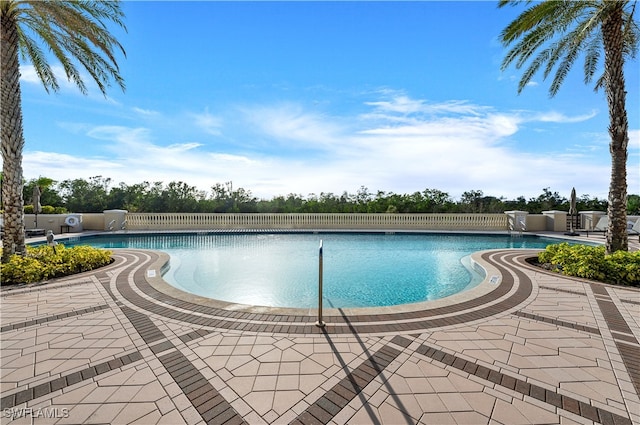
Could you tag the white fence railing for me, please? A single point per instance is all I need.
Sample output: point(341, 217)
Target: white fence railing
point(206, 221)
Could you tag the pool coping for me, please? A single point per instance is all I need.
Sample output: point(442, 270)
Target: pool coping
point(155, 273)
point(148, 294)
point(154, 276)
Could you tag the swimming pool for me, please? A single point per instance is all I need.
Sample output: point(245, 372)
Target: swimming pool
point(281, 270)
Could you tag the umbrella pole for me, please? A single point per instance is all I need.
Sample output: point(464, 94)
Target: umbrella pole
point(571, 218)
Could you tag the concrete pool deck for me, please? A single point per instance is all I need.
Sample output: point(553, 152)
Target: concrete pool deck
point(115, 346)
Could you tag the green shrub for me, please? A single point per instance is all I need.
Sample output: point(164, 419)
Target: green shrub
point(46, 209)
point(41, 263)
point(623, 268)
point(591, 262)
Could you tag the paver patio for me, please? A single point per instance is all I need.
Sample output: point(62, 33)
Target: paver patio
point(118, 346)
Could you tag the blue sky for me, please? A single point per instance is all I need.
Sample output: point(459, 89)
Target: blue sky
point(311, 97)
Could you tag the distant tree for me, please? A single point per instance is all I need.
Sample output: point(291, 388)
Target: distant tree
point(553, 34)
point(227, 199)
point(547, 201)
point(472, 201)
point(586, 203)
point(97, 194)
point(129, 197)
point(48, 194)
point(396, 203)
point(293, 203)
point(518, 204)
point(379, 203)
point(180, 197)
point(69, 30)
point(152, 201)
point(85, 196)
point(476, 202)
point(362, 200)
point(633, 204)
point(440, 201)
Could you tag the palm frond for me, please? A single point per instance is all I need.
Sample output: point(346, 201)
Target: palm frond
point(600, 84)
point(563, 69)
point(592, 53)
point(549, 36)
point(570, 47)
point(76, 33)
point(532, 69)
point(30, 51)
point(631, 33)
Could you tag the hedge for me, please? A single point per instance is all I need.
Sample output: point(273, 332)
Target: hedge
point(42, 263)
point(592, 262)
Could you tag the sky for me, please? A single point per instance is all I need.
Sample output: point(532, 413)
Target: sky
point(325, 97)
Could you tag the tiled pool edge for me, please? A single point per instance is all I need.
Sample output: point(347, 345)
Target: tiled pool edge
point(498, 300)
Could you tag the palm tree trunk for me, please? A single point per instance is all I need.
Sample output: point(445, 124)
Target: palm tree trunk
point(617, 238)
point(12, 137)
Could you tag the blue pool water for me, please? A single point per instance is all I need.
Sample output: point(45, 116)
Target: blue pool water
point(281, 270)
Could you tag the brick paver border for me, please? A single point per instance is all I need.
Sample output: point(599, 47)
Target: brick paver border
point(213, 408)
point(40, 390)
point(623, 337)
point(52, 318)
point(478, 308)
point(518, 385)
point(334, 400)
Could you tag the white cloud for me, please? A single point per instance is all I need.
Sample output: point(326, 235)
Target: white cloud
point(145, 112)
point(182, 147)
point(562, 118)
point(291, 126)
point(208, 122)
point(402, 104)
point(28, 75)
point(452, 146)
point(634, 141)
point(132, 137)
point(61, 167)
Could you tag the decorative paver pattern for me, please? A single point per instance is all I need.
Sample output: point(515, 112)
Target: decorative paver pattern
point(622, 334)
point(207, 401)
point(109, 347)
point(66, 381)
point(52, 318)
point(328, 406)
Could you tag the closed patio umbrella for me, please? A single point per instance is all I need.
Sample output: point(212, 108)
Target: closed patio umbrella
point(572, 209)
point(35, 200)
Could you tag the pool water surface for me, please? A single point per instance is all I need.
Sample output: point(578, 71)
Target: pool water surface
point(282, 270)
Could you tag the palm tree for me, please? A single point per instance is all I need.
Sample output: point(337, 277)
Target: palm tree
point(74, 32)
point(554, 34)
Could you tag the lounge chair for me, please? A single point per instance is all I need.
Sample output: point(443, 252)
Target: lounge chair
point(601, 225)
point(635, 229)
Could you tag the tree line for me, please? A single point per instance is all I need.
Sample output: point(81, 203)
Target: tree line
point(98, 194)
